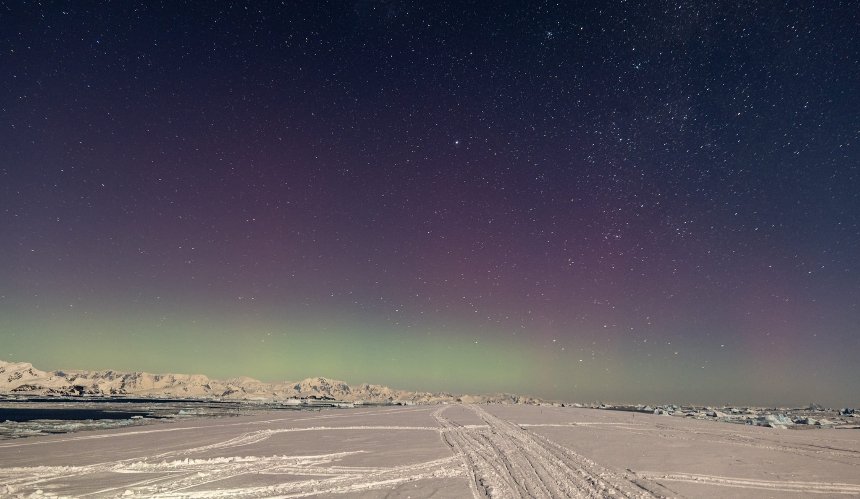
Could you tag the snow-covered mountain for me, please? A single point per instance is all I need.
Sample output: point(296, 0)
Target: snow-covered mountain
point(21, 378)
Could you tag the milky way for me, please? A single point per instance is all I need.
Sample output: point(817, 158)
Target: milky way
point(582, 202)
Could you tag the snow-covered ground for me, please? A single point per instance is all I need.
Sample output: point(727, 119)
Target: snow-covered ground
point(436, 451)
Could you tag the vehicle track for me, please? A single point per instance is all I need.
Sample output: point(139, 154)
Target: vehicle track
point(188, 478)
point(762, 441)
point(507, 461)
point(769, 485)
point(726, 436)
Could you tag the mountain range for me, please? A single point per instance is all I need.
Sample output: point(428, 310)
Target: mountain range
point(21, 378)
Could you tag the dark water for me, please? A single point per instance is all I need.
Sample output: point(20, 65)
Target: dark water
point(63, 414)
point(113, 400)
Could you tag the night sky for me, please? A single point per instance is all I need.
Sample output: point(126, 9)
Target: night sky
point(620, 201)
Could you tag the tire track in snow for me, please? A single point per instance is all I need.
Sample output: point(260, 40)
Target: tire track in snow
point(508, 462)
point(750, 483)
point(343, 480)
point(199, 477)
point(258, 436)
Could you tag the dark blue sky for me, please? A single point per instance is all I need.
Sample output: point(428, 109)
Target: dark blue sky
point(655, 201)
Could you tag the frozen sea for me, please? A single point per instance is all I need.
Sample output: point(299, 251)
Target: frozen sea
point(447, 451)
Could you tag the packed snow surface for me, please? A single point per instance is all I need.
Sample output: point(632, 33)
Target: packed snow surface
point(449, 450)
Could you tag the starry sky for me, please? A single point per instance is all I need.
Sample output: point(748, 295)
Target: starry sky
point(616, 201)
